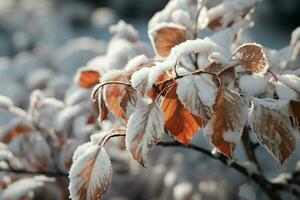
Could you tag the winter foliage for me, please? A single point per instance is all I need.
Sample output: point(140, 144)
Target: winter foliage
point(200, 78)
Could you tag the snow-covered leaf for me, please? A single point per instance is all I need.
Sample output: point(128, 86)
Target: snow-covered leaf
point(198, 93)
point(179, 122)
point(270, 121)
point(295, 107)
point(252, 84)
point(144, 130)
point(253, 57)
point(291, 81)
point(225, 129)
point(90, 174)
point(5, 102)
point(20, 188)
point(166, 36)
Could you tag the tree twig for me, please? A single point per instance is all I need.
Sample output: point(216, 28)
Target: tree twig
point(271, 189)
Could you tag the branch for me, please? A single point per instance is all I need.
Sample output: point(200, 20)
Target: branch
point(25, 172)
point(269, 188)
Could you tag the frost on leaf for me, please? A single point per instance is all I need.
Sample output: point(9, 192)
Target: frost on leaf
point(179, 122)
point(270, 120)
point(253, 57)
point(291, 81)
point(295, 107)
point(102, 108)
point(198, 93)
point(90, 174)
point(88, 78)
point(225, 129)
point(166, 37)
point(145, 128)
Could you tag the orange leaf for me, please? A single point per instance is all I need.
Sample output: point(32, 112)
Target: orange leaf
point(88, 78)
point(252, 56)
point(178, 120)
point(120, 98)
point(168, 37)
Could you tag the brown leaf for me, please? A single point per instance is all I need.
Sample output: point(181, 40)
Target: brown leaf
point(295, 106)
point(253, 57)
point(168, 37)
point(88, 78)
point(120, 99)
point(225, 128)
point(181, 124)
point(19, 129)
point(90, 174)
point(269, 120)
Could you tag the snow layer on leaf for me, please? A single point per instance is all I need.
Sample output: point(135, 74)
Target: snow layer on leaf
point(253, 84)
point(198, 94)
point(111, 75)
point(183, 18)
point(5, 102)
point(139, 80)
point(286, 93)
point(269, 119)
point(187, 47)
point(137, 61)
point(291, 80)
point(124, 30)
point(20, 188)
point(246, 192)
point(145, 128)
point(90, 174)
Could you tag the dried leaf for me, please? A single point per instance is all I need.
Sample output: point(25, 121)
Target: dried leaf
point(198, 93)
point(88, 78)
point(253, 57)
point(167, 37)
point(90, 174)
point(144, 130)
point(225, 129)
point(270, 120)
point(180, 123)
point(120, 99)
point(295, 107)
point(18, 129)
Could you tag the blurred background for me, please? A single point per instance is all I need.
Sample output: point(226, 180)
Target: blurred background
point(44, 42)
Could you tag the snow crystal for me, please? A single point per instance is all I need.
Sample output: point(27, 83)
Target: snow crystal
point(253, 84)
point(246, 192)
